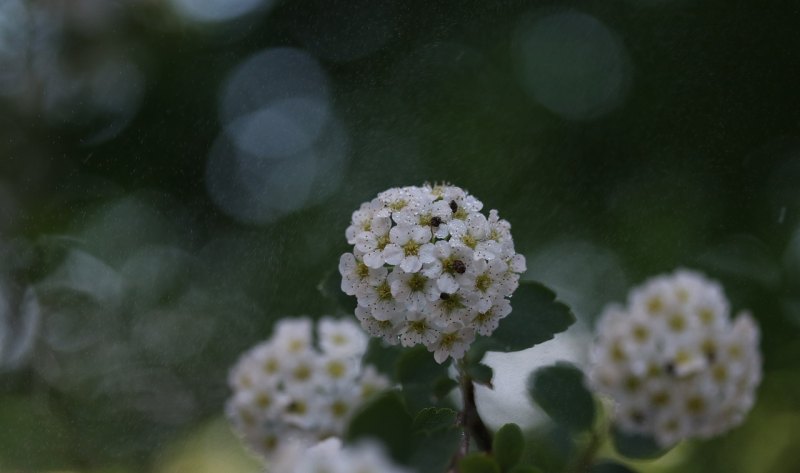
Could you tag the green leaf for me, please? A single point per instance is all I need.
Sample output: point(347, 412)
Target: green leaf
point(550, 448)
point(32, 438)
point(416, 365)
point(636, 446)
point(443, 386)
point(433, 453)
point(479, 348)
point(608, 466)
point(524, 469)
point(382, 356)
point(561, 392)
point(481, 374)
point(432, 419)
point(478, 463)
point(420, 375)
point(386, 419)
point(508, 445)
point(535, 318)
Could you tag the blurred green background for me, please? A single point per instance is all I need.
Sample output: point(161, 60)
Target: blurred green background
point(177, 174)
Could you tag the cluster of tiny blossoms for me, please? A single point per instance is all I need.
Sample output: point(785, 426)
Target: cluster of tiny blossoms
point(674, 362)
point(286, 389)
point(428, 268)
point(330, 457)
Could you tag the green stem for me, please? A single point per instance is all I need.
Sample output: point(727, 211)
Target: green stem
point(589, 454)
point(469, 419)
point(586, 460)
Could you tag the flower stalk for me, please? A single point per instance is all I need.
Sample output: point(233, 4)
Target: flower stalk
point(469, 419)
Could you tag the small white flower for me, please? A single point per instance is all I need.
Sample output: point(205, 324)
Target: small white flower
point(448, 264)
point(340, 337)
point(487, 321)
point(409, 247)
point(469, 233)
point(381, 302)
point(294, 335)
point(488, 280)
point(457, 307)
point(453, 341)
point(444, 263)
point(361, 220)
point(516, 263)
point(417, 329)
point(384, 329)
point(673, 361)
point(372, 243)
point(356, 275)
point(413, 290)
point(287, 388)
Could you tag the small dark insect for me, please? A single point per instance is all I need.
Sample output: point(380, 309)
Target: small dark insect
point(670, 368)
point(436, 221)
point(637, 417)
point(459, 266)
point(453, 206)
point(444, 296)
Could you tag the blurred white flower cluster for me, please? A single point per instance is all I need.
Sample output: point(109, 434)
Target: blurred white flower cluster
point(428, 268)
point(330, 457)
point(674, 362)
point(286, 389)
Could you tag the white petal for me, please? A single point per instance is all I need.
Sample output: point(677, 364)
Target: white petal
point(400, 234)
point(420, 234)
point(373, 259)
point(440, 355)
point(392, 254)
point(410, 264)
point(446, 283)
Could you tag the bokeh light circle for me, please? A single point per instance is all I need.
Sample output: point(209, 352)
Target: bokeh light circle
point(572, 64)
point(282, 146)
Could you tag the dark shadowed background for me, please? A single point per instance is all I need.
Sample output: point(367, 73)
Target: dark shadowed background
point(175, 175)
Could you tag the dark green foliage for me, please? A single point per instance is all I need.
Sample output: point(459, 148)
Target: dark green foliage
point(436, 439)
point(481, 374)
point(382, 356)
point(426, 443)
point(386, 419)
point(697, 166)
point(636, 446)
point(550, 448)
point(443, 386)
point(433, 451)
point(536, 317)
point(508, 445)
point(38, 439)
point(478, 463)
point(422, 378)
point(431, 419)
point(524, 469)
point(608, 466)
point(561, 392)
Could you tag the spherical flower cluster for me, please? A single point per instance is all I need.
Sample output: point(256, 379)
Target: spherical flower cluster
point(330, 457)
point(428, 268)
point(674, 362)
point(286, 389)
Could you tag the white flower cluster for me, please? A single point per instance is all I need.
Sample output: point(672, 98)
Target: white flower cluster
point(330, 457)
point(428, 268)
point(286, 389)
point(674, 362)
